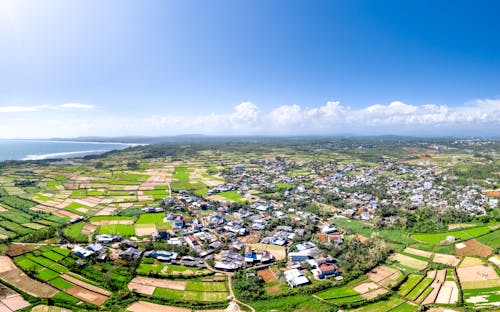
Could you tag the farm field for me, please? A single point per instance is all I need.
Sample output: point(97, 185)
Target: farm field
point(464, 234)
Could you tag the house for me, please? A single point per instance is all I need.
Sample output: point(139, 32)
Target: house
point(325, 270)
point(96, 248)
point(76, 220)
point(295, 278)
point(130, 254)
point(161, 255)
point(328, 229)
point(82, 252)
point(107, 238)
point(127, 244)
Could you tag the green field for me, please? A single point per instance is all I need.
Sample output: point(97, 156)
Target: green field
point(487, 296)
point(73, 232)
point(491, 239)
point(358, 227)
point(409, 284)
point(117, 229)
point(436, 238)
point(151, 218)
point(337, 293)
point(111, 218)
point(60, 283)
point(382, 306)
point(406, 307)
point(290, 304)
point(232, 195)
point(419, 288)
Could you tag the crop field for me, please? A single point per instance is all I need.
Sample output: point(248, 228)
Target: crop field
point(409, 261)
point(464, 234)
point(151, 218)
point(482, 297)
point(381, 306)
point(117, 229)
point(232, 195)
point(491, 239)
point(291, 303)
point(472, 248)
point(412, 281)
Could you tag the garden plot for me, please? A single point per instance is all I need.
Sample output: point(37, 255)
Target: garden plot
point(267, 275)
point(409, 261)
point(448, 293)
point(11, 300)
point(477, 277)
point(145, 284)
point(141, 306)
point(45, 308)
point(495, 260)
point(85, 285)
point(86, 295)
point(418, 252)
point(446, 259)
point(472, 248)
point(470, 261)
point(384, 275)
point(14, 276)
point(433, 290)
point(482, 297)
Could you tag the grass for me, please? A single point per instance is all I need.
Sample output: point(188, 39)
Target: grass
point(232, 195)
point(395, 236)
point(74, 231)
point(436, 238)
point(117, 229)
point(290, 304)
point(151, 218)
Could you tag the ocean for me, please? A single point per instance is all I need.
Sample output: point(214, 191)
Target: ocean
point(44, 149)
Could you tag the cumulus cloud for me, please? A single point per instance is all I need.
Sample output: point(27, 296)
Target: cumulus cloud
point(333, 117)
point(35, 108)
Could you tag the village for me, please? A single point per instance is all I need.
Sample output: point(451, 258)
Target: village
point(337, 232)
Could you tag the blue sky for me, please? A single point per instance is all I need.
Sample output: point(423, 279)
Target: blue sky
point(110, 68)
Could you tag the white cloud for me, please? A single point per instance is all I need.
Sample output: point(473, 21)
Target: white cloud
point(333, 117)
point(35, 108)
point(479, 117)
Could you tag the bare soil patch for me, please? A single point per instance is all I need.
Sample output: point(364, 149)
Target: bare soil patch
point(470, 261)
point(374, 293)
point(267, 275)
point(279, 252)
point(446, 259)
point(409, 261)
point(473, 248)
point(86, 295)
point(141, 306)
point(272, 290)
point(383, 274)
point(144, 229)
point(88, 286)
point(163, 283)
point(16, 249)
point(476, 277)
point(418, 252)
point(366, 287)
point(17, 278)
